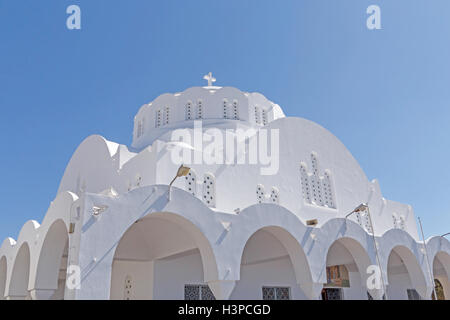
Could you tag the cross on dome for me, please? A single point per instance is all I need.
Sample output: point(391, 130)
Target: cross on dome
point(209, 77)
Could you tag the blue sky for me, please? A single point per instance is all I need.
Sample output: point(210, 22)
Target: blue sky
point(384, 93)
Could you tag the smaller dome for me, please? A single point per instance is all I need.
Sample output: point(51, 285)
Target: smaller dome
point(170, 111)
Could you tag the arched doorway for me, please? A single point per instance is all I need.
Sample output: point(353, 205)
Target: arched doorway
point(18, 287)
point(52, 263)
point(3, 271)
point(405, 276)
point(346, 267)
point(441, 269)
point(272, 265)
point(162, 256)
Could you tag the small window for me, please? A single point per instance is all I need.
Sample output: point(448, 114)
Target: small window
point(138, 180)
point(276, 293)
point(139, 129)
point(257, 115)
point(191, 182)
point(235, 110)
point(332, 294)
point(189, 111)
point(225, 109)
point(275, 195)
point(199, 114)
point(128, 289)
point(198, 292)
point(260, 193)
point(209, 190)
point(158, 119)
point(166, 115)
point(402, 222)
point(395, 220)
point(264, 117)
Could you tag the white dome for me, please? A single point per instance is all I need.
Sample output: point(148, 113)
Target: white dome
point(170, 111)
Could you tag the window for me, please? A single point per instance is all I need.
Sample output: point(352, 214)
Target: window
point(139, 129)
point(138, 180)
point(188, 111)
point(275, 195)
point(317, 189)
point(225, 109)
point(260, 194)
point(191, 182)
point(326, 188)
point(158, 119)
point(257, 115)
point(402, 222)
point(199, 109)
point(128, 289)
point(166, 115)
point(358, 219)
point(264, 117)
point(395, 220)
point(367, 224)
point(209, 190)
point(235, 110)
point(332, 294)
point(305, 183)
point(276, 293)
point(198, 292)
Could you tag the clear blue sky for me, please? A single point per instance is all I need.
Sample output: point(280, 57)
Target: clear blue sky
point(384, 93)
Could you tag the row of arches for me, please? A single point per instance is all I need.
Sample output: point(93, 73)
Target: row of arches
point(150, 263)
point(16, 282)
point(265, 254)
point(35, 266)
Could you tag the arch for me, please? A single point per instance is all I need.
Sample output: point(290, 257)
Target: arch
point(441, 274)
point(3, 275)
point(18, 286)
point(348, 255)
point(260, 267)
point(404, 275)
point(164, 244)
point(51, 264)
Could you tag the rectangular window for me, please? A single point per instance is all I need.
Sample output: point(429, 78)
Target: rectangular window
point(276, 293)
point(198, 292)
point(332, 294)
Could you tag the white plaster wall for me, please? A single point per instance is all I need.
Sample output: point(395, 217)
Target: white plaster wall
point(357, 290)
point(273, 273)
point(141, 273)
point(173, 273)
point(398, 284)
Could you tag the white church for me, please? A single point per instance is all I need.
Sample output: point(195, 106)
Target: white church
point(298, 219)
